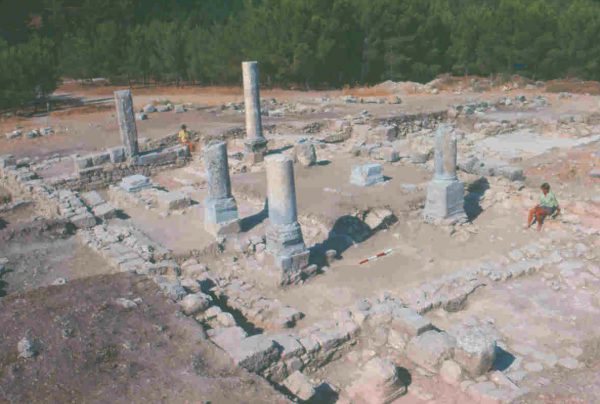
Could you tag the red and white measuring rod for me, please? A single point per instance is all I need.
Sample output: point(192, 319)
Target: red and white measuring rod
point(378, 255)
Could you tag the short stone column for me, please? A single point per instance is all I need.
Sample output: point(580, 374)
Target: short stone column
point(284, 236)
point(220, 207)
point(126, 119)
point(445, 193)
point(255, 144)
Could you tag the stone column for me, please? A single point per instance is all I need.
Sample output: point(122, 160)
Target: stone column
point(445, 193)
point(126, 119)
point(220, 207)
point(255, 144)
point(284, 236)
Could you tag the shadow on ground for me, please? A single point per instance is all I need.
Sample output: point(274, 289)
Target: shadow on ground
point(475, 191)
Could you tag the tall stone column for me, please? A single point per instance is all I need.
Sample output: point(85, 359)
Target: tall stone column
point(220, 207)
point(445, 193)
point(126, 119)
point(284, 235)
point(255, 144)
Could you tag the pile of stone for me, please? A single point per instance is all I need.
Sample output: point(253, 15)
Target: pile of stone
point(262, 311)
point(32, 134)
point(72, 208)
point(491, 168)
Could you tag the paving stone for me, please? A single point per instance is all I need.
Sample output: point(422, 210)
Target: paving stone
point(300, 386)
point(430, 349)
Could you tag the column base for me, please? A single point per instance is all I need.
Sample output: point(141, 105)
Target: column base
point(286, 245)
point(217, 211)
point(255, 150)
point(223, 229)
point(445, 202)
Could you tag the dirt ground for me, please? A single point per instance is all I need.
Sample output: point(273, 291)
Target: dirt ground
point(91, 349)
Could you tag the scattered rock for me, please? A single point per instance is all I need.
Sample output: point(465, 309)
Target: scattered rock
point(27, 349)
point(451, 372)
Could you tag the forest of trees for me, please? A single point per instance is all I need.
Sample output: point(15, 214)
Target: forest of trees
point(310, 43)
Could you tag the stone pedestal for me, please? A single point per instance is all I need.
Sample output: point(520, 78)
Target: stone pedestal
point(445, 193)
point(255, 150)
point(366, 175)
point(220, 207)
point(126, 121)
point(255, 144)
point(284, 235)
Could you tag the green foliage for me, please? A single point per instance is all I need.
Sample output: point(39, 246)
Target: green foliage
point(303, 42)
point(28, 71)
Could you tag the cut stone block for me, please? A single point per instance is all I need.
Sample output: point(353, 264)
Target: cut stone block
point(475, 351)
point(221, 210)
point(173, 200)
point(134, 183)
point(83, 220)
point(430, 349)
point(300, 386)
point(445, 201)
point(410, 322)
point(7, 160)
point(254, 353)
point(104, 211)
point(83, 162)
point(100, 158)
point(366, 175)
point(116, 154)
point(92, 199)
point(156, 158)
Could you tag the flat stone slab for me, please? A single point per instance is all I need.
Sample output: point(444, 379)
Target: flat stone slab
point(366, 175)
point(300, 386)
point(134, 183)
point(83, 220)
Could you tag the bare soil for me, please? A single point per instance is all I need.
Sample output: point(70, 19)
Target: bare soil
point(92, 350)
